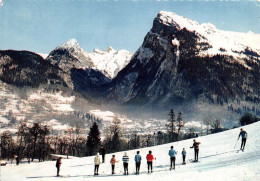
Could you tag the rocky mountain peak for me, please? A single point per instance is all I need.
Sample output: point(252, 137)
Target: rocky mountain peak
point(70, 55)
point(72, 43)
point(181, 60)
point(209, 40)
point(109, 49)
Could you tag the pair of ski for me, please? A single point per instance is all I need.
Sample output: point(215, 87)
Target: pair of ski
point(241, 150)
point(193, 161)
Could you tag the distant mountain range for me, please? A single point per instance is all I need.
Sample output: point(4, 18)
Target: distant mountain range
point(180, 64)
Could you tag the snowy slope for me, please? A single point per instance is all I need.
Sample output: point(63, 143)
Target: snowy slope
point(110, 61)
point(218, 161)
point(221, 42)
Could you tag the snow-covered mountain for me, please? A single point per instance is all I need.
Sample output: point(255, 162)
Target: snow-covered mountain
point(181, 61)
point(219, 160)
point(80, 73)
point(110, 61)
point(87, 72)
point(212, 41)
point(70, 55)
point(181, 64)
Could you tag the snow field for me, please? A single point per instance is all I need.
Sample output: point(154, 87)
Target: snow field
point(110, 61)
point(218, 161)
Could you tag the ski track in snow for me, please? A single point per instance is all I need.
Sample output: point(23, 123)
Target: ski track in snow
point(219, 160)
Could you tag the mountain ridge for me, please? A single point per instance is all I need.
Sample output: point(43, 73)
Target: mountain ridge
point(173, 68)
point(169, 69)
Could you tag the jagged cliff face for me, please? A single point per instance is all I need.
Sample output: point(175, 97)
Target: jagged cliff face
point(70, 55)
point(80, 74)
point(181, 60)
point(23, 68)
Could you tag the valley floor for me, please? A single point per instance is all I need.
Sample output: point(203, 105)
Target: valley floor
point(219, 161)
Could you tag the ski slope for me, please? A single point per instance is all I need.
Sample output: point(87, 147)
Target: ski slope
point(218, 161)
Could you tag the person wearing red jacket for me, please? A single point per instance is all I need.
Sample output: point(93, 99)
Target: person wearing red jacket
point(113, 163)
point(150, 159)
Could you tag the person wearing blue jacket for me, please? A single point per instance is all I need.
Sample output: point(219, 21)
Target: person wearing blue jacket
point(172, 154)
point(138, 159)
point(243, 135)
point(183, 156)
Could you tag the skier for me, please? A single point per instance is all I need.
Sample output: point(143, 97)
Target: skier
point(58, 164)
point(97, 163)
point(125, 163)
point(113, 163)
point(150, 159)
point(17, 159)
point(183, 156)
point(196, 150)
point(243, 135)
point(138, 159)
point(102, 150)
point(172, 154)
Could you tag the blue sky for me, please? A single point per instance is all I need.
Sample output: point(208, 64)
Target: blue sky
point(41, 25)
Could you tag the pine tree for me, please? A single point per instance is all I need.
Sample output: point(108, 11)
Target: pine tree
point(93, 140)
point(171, 125)
point(180, 123)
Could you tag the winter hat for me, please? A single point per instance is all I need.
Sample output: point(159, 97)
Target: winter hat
point(97, 154)
point(125, 154)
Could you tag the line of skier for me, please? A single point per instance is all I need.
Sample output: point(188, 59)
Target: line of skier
point(149, 157)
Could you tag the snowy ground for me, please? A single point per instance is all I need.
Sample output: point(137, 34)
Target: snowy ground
point(218, 161)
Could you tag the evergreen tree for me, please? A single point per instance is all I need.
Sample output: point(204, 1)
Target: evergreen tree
point(180, 123)
point(93, 140)
point(171, 126)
